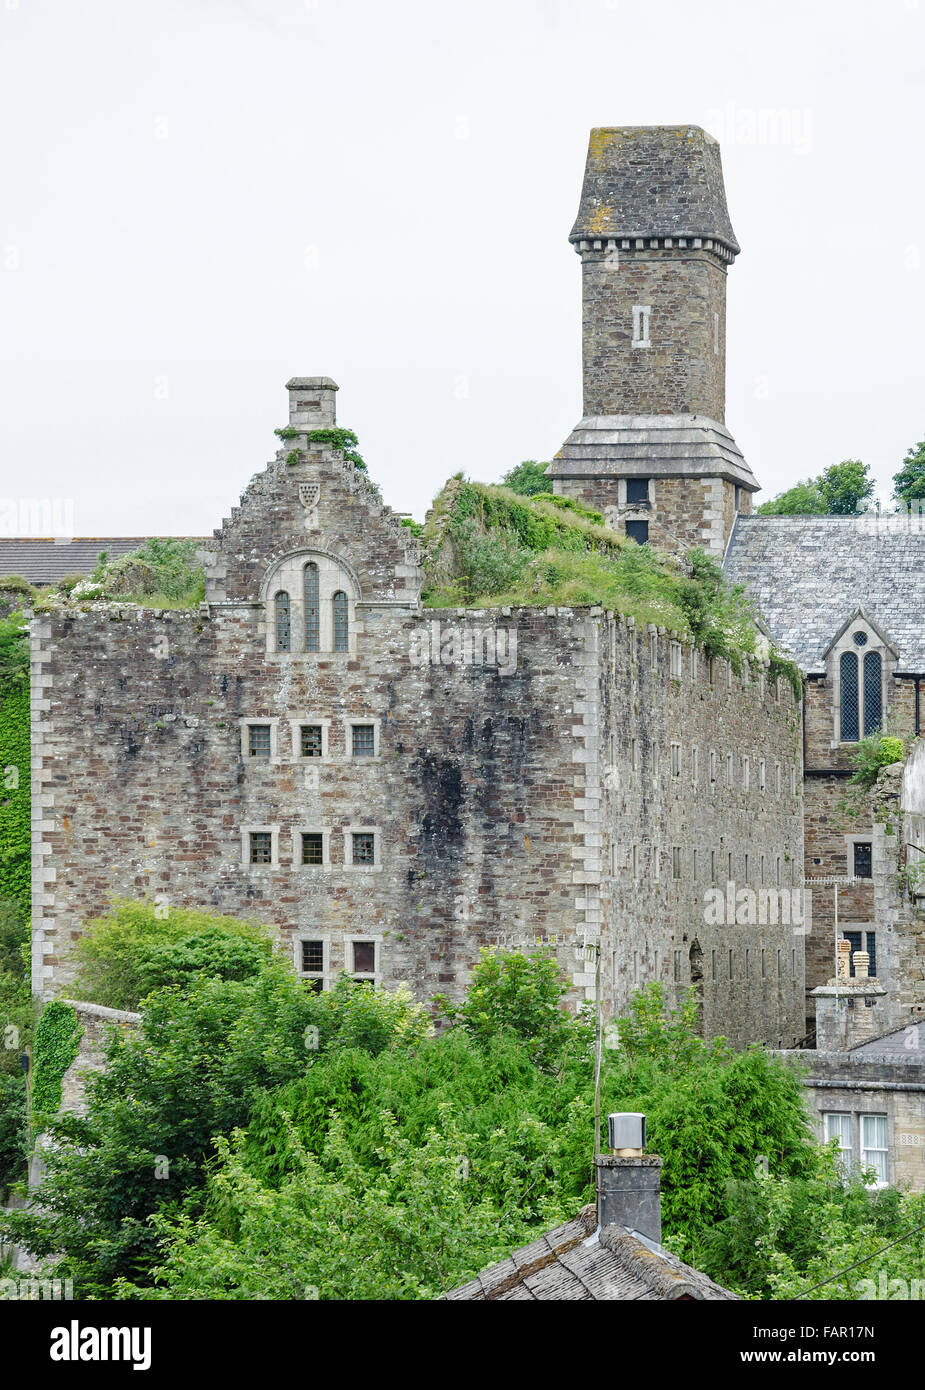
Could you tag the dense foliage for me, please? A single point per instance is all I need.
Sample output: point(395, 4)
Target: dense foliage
point(842, 489)
point(871, 754)
point(527, 478)
point(138, 947)
point(252, 1138)
point(57, 1039)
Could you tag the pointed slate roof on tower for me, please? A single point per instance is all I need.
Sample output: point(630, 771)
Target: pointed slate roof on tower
point(654, 181)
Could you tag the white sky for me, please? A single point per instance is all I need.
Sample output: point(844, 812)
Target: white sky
point(224, 194)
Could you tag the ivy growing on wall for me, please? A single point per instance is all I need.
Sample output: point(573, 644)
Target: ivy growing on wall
point(14, 762)
point(57, 1039)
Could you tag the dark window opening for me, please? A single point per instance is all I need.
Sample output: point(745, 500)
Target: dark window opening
point(364, 741)
point(364, 846)
point(637, 492)
point(313, 848)
point(863, 860)
point(313, 957)
point(261, 847)
point(638, 531)
point(311, 741)
point(873, 693)
point(258, 740)
point(364, 957)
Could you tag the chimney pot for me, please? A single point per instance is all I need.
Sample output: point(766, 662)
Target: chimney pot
point(629, 1181)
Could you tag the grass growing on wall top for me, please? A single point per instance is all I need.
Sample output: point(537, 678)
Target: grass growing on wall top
point(490, 547)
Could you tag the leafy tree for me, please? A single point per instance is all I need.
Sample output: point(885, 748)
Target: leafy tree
point(804, 499)
point(845, 487)
point(841, 490)
point(527, 478)
point(909, 482)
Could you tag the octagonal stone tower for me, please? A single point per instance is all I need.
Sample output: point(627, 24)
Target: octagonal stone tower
point(652, 449)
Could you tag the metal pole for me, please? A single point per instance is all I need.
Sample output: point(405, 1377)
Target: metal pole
point(597, 1057)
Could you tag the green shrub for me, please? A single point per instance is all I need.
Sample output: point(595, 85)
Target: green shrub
point(57, 1040)
point(871, 755)
point(136, 947)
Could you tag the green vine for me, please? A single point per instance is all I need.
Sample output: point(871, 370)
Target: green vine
point(57, 1040)
point(287, 432)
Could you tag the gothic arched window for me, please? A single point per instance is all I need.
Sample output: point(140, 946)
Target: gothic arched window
point(312, 610)
point(850, 698)
point(873, 692)
point(341, 622)
point(283, 625)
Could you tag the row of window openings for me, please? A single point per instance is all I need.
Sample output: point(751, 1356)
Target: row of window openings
point(676, 667)
point(311, 740)
point(861, 699)
point(340, 614)
point(362, 844)
point(874, 1136)
point(717, 864)
point(677, 760)
point(716, 956)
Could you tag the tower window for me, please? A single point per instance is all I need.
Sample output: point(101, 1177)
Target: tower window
point(364, 848)
point(641, 316)
point(258, 740)
point(313, 848)
point(311, 743)
point(716, 336)
point(638, 531)
point(863, 859)
point(261, 847)
point(637, 492)
point(364, 740)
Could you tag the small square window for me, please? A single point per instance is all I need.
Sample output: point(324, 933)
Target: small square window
point(364, 847)
point(312, 957)
point(261, 847)
point(364, 958)
point(258, 740)
point(638, 531)
point(364, 741)
point(313, 848)
point(637, 491)
point(311, 743)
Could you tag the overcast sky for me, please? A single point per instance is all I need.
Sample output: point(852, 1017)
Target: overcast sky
point(201, 198)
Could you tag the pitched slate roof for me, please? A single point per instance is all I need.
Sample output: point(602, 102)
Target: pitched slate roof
point(653, 181)
point(572, 1263)
point(808, 574)
point(45, 560)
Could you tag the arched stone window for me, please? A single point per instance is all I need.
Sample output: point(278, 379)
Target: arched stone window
point(860, 661)
point(310, 600)
point(283, 624)
point(341, 622)
point(312, 609)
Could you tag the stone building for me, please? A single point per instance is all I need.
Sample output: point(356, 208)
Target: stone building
point(393, 786)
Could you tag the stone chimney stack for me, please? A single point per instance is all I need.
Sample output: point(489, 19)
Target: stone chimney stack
point(629, 1180)
point(311, 402)
point(849, 1011)
point(655, 241)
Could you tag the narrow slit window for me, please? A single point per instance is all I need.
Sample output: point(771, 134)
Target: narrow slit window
point(312, 609)
point(341, 622)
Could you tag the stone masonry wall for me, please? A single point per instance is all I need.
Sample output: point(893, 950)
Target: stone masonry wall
point(683, 371)
point(686, 511)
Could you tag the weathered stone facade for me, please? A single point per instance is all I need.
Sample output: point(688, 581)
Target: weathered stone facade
point(505, 770)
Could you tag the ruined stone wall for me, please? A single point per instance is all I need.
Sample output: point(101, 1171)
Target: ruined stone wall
point(678, 822)
point(682, 371)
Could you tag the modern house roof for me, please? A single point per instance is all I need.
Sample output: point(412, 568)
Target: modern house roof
point(575, 1262)
point(808, 574)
